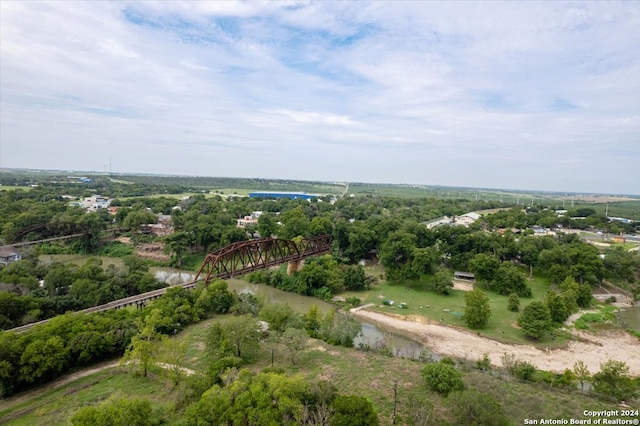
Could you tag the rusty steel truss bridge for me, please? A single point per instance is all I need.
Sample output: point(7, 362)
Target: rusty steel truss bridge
point(230, 261)
point(248, 256)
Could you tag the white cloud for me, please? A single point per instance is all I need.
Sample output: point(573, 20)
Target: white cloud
point(453, 93)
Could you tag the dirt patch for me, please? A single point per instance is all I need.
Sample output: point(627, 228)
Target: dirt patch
point(593, 349)
point(153, 251)
point(462, 285)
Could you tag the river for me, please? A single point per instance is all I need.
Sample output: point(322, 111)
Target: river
point(630, 318)
point(372, 335)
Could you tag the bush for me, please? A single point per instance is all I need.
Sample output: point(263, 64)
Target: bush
point(535, 320)
point(484, 363)
point(613, 380)
point(523, 370)
point(509, 361)
point(352, 410)
point(475, 408)
point(116, 249)
point(258, 277)
point(353, 301)
point(443, 377)
point(514, 303)
point(478, 310)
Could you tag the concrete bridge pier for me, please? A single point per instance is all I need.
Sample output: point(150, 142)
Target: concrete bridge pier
point(294, 266)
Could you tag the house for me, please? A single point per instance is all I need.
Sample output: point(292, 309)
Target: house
point(8, 255)
point(94, 203)
point(467, 219)
point(161, 228)
point(459, 275)
point(445, 220)
point(249, 220)
point(246, 221)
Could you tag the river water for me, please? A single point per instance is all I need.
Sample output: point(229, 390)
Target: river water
point(630, 318)
point(372, 335)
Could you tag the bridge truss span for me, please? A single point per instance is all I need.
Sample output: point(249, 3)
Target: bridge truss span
point(248, 256)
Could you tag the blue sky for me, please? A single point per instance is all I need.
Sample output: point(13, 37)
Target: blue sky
point(522, 95)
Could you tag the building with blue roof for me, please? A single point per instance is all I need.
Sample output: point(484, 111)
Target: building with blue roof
point(277, 195)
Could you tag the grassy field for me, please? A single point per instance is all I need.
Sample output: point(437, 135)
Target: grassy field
point(448, 309)
point(14, 187)
point(56, 407)
point(353, 372)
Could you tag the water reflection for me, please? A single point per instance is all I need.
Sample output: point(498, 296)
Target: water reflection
point(377, 339)
point(372, 336)
point(630, 318)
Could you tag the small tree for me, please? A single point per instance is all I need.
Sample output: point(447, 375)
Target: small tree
point(443, 377)
point(352, 410)
point(442, 282)
point(484, 363)
point(144, 346)
point(557, 308)
point(585, 296)
point(173, 353)
point(535, 320)
point(476, 408)
point(237, 336)
point(508, 279)
point(296, 341)
point(354, 278)
point(477, 310)
point(514, 303)
point(613, 379)
point(582, 373)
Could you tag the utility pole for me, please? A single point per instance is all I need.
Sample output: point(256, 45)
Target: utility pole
point(395, 399)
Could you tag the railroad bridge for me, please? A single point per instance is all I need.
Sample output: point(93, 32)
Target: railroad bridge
point(233, 260)
point(248, 256)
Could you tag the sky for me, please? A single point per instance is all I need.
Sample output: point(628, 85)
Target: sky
point(515, 95)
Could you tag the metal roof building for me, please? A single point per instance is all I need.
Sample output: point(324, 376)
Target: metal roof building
point(276, 195)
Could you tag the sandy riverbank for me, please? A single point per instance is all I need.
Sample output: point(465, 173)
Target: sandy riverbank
point(592, 349)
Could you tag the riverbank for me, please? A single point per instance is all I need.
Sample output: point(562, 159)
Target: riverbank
point(593, 349)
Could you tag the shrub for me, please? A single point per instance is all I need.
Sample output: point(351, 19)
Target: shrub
point(443, 377)
point(476, 408)
point(353, 301)
point(478, 310)
point(484, 363)
point(509, 361)
point(613, 380)
point(514, 303)
point(523, 370)
point(535, 320)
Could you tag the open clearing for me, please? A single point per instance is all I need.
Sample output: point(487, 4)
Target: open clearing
point(591, 348)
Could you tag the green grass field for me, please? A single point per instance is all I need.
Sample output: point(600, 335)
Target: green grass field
point(448, 309)
point(14, 187)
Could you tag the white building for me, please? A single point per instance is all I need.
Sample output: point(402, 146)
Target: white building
point(8, 255)
point(467, 219)
point(95, 202)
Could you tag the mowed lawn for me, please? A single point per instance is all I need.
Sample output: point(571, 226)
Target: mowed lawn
point(449, 309)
